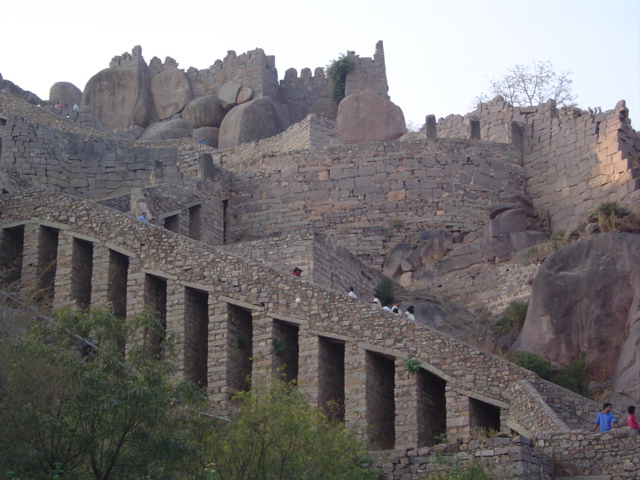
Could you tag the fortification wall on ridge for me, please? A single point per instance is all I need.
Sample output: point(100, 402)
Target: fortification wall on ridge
point(573, 160)
point(368, 196)
point(300, 93)
point(368, 73)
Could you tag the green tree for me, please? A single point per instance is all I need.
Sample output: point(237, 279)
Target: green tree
point(337, 73)
point(529, 85)
point(276, 434)
point(84, 412)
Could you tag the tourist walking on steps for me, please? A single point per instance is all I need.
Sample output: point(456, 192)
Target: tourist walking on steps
point(605, 419)
point(631, 418)
point(351, 293)
point(409, 313)
point(396, 308)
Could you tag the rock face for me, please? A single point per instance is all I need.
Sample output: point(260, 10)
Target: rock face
point(326, 107)
point(65, 93)
point(204, 112)
point(253, 121)
point(367, 117)
point(171, 92)
point(586, 298)
point(210, 135)
point(119, 97)
point(170, 129)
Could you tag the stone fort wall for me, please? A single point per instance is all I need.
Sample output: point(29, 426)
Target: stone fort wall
point(573, 160)
point(353, 193)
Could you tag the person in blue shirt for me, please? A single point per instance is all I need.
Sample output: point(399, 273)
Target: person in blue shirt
point(605, 419)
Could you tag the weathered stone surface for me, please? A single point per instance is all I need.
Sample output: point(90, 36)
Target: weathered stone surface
point(171, 92)
point(432, 244)
point(586, 298)
point(515, 220)
point(253, 121)
point(170, 129)
point(244, 95)
point(204, 112)
point(392, 262)
point(119, 97)
point(326, 107)
point(367, 117)
point(209, 134)
point(65, 93)
point(228, 94)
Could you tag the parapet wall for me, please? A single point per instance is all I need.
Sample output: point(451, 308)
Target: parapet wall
point(300, 93)
point(573, 160)
point(368, 73)
point(354, 193)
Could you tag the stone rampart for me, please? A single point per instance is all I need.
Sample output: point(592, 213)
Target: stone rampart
point(300, 93)
point(251, 69)
point(368, 73)
point(572, 159)
point(354, 193)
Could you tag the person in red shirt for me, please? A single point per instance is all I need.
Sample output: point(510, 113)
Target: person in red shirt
point(631, 418)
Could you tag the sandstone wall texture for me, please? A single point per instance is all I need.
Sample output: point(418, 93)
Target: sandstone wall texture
point(353, 193)
point(573, 160)
point(184, 265)
point(322, 261)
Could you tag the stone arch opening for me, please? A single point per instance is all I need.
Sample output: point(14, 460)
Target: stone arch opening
point(81, 272)
point(432, 408)
point(155, 297)
point(196, 335)
point(331, 378)
point(483, 415)
point(172, 223)
point(46, 268)
point(195, 222)
point(286, 348)
point(380, 400)
point(11, 251)
point(239, 348)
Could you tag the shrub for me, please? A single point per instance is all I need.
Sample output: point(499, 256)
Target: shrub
point(574, 376)
point(396, 224)
point(613, 217)
point(512, 320)
point(532, 361)
point(454, 468)
point(386, 291)
point(411, 365)
point(337, 73)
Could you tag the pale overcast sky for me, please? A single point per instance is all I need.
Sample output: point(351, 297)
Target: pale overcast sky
point(439, 53)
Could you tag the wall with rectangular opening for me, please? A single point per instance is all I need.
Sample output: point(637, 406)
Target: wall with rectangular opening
point(11, 251)
point(380, 398)
point(155, 297)
point(286, 349)
point(117, 286)
point(172, 223)
point(239, 347)
point(331, 378)
point(196, 335)
point(432, 408)
point(195, 222)
point(47, 262)
point(81, 272)
point(483, 416)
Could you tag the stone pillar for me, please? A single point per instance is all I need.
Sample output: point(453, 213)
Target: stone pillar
point(217, 390)
point(355, 405)
point(431, 127)
point(457, 412)
point(62, 294)
point(205, 166)
point(175, 318)
point(308, 364)
point(29, 274)
point(262, 346)
point(100, 275)
point(406, 393)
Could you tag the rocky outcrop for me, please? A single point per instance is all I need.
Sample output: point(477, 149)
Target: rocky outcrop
point(120, 95)
point(253, 121)
point(367, 117)
point(170, 129)
point(171, 92)
point(228, 94)
point(204, 112)
point(326, 107)
point(209, 135)
point(586, 298)
point(65, 93)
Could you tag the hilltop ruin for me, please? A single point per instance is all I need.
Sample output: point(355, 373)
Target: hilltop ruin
point(232, 222)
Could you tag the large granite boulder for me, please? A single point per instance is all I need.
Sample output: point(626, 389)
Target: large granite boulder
point(228, 94)
point(208, 135)
point(177, 128)
point(326, 107)
point(119, 97)
point(367, 117)
point(204, 112)
point(65, 93)
point(253, 121)
point(586, 298)
point(171, 91)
